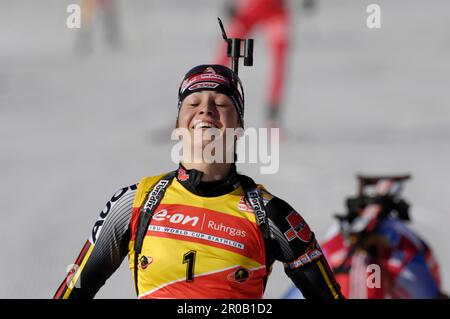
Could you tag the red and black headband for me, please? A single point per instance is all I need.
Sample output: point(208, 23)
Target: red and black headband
point(213, 77)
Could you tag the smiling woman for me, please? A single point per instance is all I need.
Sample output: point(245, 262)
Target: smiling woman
point(210, 103)
point(207, 118)
point(202, 230)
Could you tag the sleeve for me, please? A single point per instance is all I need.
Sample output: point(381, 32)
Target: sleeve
point(415, 281)
point(410, 264)
point(294, 244)
point(104, 251)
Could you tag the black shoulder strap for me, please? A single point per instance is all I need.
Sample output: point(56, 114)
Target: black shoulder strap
point(151, 202)
point(254, 197)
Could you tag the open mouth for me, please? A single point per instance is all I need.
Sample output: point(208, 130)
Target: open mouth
point(204, 125)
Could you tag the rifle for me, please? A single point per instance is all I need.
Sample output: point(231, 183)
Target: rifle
point(234, 50)
point(370, 207)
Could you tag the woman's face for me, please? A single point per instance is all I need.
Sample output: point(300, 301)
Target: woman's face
point(207, 110)
point(210, 107)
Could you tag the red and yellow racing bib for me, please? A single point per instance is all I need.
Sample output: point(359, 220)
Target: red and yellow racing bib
point(198, 247)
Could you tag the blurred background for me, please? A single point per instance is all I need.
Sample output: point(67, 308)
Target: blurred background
point(84, 114)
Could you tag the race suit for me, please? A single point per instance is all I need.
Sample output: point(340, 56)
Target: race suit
point(202, 242)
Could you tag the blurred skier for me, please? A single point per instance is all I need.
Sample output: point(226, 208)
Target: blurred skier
point(89, 12)
point(372, 252)
point(309, 5)
point(274, 18)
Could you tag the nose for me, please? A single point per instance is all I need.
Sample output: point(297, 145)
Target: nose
point(208, 107)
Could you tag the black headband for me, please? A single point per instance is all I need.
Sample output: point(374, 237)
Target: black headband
point(213, 77)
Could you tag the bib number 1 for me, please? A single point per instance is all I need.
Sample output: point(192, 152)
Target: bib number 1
point(189, 259)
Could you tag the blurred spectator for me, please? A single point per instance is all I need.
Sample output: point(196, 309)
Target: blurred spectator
point(374, 254)
point(89, 13)
point(273, 17)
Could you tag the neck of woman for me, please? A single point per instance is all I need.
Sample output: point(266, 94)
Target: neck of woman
point(211, 171)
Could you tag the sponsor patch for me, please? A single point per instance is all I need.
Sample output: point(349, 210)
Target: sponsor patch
point(144, 262)
point(299, 228)
point(203, 85)
point(244, 206)
point(241, 275)
point(305, 259)
point(259, 211)
point(182, 176)
point(205, 77)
